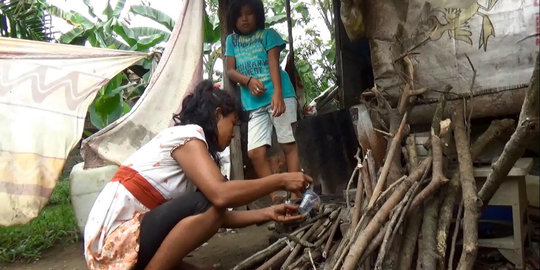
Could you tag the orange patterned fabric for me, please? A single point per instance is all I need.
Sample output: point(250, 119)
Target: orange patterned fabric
point(139, 187)
point(123, 240)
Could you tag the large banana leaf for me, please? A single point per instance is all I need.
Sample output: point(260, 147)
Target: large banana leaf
point(153, 14)
point(147, 31)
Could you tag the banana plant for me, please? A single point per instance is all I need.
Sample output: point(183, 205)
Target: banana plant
point(212, 33)
point(24, 19)
point(108, 31)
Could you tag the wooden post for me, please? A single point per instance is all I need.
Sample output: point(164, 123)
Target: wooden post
point(237, 164)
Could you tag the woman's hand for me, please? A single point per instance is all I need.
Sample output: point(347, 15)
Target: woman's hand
point(256, 87)
point(284, 212)
point(277, 104)
point(296, 182)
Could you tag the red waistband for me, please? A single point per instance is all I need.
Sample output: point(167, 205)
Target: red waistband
point(147, 194)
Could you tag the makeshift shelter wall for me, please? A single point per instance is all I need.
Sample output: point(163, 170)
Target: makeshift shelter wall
point(441, 34)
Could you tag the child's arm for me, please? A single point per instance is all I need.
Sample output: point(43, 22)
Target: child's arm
point(255, 86)
point(277, 104)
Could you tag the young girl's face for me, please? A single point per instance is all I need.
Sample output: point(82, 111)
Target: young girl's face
point(246, 22)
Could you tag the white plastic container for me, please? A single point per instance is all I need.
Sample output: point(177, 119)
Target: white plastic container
point(85, 186)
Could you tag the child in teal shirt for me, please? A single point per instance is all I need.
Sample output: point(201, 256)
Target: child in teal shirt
point(266, 91)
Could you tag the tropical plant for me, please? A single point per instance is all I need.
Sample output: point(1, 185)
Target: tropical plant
point(108, 31)
point(24, 19)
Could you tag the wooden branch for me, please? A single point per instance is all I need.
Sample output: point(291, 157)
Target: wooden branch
point(470, 198)
point(298, 247)
point(527, 130)
point(412, 154)
point(428, 256)
point(408, 246)
point(392, 228)
point(275, 260)
point(390, 135)
point(301, 242)
point(360, 243)
point(331, 237)
point(358, 199)
point(261, 255)
point(408, 96)
point(374, 244)
point(495, 129)
point(454, 237)
point(356, 169)
point(390, 156)
point(438, 178)
point(372, 168)
point(391, 188)
point(394, 172)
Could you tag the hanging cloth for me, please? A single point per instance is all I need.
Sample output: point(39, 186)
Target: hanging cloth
point(45, 91)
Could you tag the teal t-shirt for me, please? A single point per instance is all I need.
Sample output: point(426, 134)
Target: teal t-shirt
point(251, 54)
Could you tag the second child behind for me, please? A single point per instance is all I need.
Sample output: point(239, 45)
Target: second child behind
point(266, 91)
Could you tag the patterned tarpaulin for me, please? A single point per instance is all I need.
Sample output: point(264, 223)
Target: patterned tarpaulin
point(178, 71)
point(45, 91)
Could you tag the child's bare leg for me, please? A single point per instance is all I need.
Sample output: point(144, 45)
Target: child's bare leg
point(262, 166)
point(291, 156)
point(186, 236)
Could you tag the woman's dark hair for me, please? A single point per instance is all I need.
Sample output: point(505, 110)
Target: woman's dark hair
point(255, 5)
point(199, 108)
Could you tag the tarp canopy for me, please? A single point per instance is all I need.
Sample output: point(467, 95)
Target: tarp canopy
point(177, 73)
point(45, 91)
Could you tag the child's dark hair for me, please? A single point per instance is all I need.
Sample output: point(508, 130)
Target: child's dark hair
point(255, 5)
point(199, 108)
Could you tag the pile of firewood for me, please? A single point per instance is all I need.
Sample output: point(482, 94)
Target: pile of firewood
point(398, 214)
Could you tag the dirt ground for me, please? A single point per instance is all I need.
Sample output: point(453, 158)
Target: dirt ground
point(225, 248)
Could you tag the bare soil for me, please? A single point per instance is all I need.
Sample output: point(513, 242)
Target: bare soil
point(227, 248)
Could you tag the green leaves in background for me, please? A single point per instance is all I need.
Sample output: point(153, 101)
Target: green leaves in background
point(24, 19)
point(108, 31)
point(109, 104)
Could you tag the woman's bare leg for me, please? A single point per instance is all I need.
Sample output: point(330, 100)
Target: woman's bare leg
point(186, 236)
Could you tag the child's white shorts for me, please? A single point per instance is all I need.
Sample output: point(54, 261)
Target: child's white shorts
point(261, 122)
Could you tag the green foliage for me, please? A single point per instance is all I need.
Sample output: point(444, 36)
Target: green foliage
point(23, 19)
point(55, 224)
point(108, 31)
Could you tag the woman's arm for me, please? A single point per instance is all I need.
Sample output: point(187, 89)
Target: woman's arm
point(255, 86)
point(239, 219)
point(199, 167)
point(277, 104)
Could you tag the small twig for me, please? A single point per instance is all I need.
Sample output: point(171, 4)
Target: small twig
point(384, 132)
point(299, 241)
point(390, 156)
point(356, 169)
point(454, 236)
point(391, 187)
point(331, 237)
point(409, 51)
point(311, 260)
point(470, 96)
